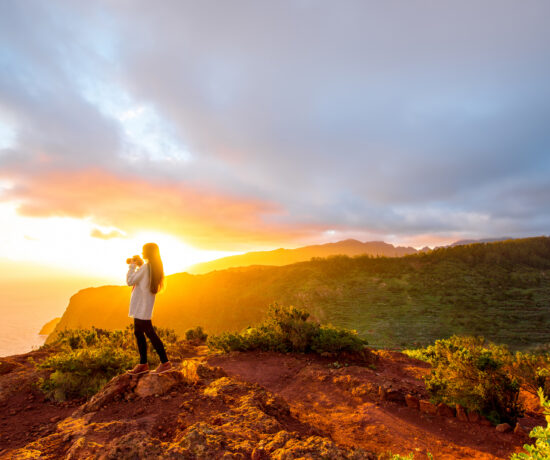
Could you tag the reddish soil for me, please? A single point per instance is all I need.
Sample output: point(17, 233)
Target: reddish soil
point(337, 401)
point(342, 403)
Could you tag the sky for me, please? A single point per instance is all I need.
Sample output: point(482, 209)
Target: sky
point(215, 128)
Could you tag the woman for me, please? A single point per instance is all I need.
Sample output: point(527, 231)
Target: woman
point(147, 280)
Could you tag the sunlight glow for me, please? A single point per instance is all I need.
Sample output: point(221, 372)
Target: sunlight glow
point(66, 243)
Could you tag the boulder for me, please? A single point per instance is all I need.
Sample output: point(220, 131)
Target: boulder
point(151, 384)
point(461, 413)
point(427, 407)
point(444, 410)
point(118, 385)
point(503, 428)
point(412, 401)
point(194, 371)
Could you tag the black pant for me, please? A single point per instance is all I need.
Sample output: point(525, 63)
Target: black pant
point(144, 327)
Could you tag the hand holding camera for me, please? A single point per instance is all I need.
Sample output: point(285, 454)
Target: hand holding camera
point(135, 260)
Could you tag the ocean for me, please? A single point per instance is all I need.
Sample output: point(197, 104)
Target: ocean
point(27, 305)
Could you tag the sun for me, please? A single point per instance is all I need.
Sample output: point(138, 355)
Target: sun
point(68, 244)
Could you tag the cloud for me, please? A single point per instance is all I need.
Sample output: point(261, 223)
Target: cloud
point(97, 233)
point(202, 217)
point(269, 122)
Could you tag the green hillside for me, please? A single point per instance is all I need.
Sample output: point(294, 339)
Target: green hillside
point(499, 290)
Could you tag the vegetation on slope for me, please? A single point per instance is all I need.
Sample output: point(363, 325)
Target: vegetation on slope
point(84, 360)
point(499, 290)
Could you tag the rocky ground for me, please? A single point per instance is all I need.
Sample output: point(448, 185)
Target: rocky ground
point(250, 406)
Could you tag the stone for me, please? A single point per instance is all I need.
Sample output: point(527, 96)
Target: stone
point(520, 430)
point(194, 371)
point(444, 410)
point(157, 385)
point(256, 454)
point(412, 401)
point(427, 407)
point(395, 396)
point(382, 393)
point(503, 428)
point(474, 416)
point(461, 413)
point(55, 419)
point(118, 385)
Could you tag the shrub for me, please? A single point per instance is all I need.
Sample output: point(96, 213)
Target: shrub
point(82, 372)
point(85, 359)
point(196, 334)
point(287, 329)
point(532, 370)
point(475, 374)
point(541, 449)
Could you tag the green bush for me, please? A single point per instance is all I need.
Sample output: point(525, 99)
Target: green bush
point(475, 374)
point(287, 329)
point(541, 449)
point(83, 360)
point(196, 334)
point(82, 372)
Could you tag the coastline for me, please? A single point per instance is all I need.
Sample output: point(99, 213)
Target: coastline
point(18, 347)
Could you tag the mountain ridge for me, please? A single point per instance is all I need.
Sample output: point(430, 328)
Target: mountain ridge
point(499, 290)
point(282, 256)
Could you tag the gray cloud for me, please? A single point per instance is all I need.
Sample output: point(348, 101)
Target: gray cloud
point(396, 118)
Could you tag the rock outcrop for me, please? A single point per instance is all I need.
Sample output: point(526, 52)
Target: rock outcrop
point(220, 417)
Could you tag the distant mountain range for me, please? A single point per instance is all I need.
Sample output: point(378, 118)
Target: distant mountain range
point(499, 290)
point(348, 247)
point(282, 256)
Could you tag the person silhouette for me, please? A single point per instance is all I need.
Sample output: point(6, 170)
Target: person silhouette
point(147, 280)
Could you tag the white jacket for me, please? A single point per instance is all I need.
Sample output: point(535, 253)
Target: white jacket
point(142, 299)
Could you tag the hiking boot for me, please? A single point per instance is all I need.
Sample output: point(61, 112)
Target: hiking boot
point(139, 369)
point(164, 367)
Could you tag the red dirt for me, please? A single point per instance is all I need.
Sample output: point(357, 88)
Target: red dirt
point(341, 403)
point(334, 401)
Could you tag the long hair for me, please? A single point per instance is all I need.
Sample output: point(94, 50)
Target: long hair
point(152, 254)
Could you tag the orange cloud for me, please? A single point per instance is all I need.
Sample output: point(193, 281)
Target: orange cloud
point(204, 218)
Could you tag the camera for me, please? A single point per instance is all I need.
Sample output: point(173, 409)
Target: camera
point(135, 260)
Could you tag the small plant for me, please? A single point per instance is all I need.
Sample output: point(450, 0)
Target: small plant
point(196, 334)
point(541, 449)
point(390, 456)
